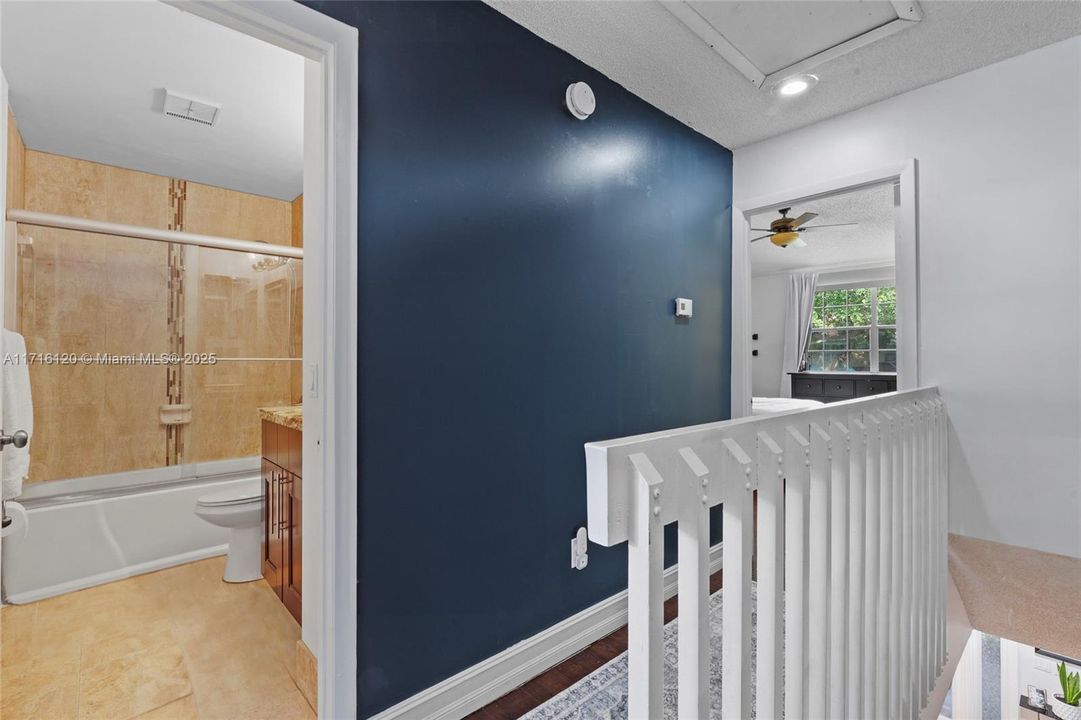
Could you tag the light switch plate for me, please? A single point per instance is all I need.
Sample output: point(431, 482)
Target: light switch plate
point(684, 307)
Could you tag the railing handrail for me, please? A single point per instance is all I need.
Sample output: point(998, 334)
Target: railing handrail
point(608, 477)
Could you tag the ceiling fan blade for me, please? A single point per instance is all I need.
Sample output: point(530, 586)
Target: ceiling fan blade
point(761, 238)
point(769, 230)
point(805, 217)
point(815, 227)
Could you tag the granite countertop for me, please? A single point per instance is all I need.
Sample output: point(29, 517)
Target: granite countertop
point(291, 416)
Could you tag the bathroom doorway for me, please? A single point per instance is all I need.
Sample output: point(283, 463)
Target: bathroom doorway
point(164, 311)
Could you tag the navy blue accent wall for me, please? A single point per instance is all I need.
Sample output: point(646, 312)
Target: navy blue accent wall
point(517, 275)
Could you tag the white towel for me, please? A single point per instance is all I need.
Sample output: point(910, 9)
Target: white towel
point(18, 413)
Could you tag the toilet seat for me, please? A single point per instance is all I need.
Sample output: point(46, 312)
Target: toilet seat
point(239, 495)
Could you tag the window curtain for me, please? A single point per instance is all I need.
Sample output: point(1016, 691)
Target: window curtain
point(799, 302)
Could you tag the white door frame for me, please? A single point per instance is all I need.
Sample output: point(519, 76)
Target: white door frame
point(5, 227)
point(331, 119)
point(906, 261)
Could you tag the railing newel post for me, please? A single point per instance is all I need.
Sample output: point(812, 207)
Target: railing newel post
point(645, 593)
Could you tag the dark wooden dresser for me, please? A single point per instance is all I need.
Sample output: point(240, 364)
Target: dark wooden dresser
point(832, 387)
point(282, 504)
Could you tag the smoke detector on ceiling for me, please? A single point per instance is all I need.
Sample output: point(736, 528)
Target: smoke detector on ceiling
point(186, 108)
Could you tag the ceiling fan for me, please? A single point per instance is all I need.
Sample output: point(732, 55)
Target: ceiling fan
point(785, 231)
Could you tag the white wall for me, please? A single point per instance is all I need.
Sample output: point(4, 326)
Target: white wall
point(1030, 669)
point(767, 319)
point(999, 167)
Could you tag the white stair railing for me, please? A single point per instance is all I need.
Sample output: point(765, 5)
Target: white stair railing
point(850, 557)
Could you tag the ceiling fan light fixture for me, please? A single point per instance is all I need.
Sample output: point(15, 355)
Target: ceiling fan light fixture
point(795, 85)
point(784, 239)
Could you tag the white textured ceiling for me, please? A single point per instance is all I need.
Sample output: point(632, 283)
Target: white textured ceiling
point(86, 78)
point(773, 41)
point(646, 49)
point(869, 243)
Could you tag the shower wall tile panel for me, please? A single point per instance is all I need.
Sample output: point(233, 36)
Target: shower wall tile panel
point(82, 292)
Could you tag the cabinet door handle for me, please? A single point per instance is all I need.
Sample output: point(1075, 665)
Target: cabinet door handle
point(281, 504)
point(286, 506)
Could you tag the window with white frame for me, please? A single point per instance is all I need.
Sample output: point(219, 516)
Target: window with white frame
point(853, 329)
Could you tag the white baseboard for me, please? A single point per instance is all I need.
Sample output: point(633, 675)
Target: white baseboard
point(113, 575)
point(491, 679)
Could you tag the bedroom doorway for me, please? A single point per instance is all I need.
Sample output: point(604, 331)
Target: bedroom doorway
point(823, 300)
point(825, 293)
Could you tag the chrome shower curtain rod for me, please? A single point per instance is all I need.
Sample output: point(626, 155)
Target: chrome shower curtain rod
point(66, 222)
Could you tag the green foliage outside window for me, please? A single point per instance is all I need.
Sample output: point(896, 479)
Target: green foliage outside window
point(853, 329)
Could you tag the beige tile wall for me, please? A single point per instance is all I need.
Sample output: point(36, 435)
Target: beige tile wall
point(90, 293)
point(15, 168)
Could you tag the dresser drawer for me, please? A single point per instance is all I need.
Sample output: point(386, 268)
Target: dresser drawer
point(839, 388)
point(806, 387)
point(872, 387)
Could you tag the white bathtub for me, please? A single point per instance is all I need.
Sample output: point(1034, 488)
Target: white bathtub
point(83, 538)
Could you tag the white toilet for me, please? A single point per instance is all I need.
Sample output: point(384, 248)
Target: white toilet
point(240, 509)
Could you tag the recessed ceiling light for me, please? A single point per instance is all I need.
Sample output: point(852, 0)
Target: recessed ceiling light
point(795, 85)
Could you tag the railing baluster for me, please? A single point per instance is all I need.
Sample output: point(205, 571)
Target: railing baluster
point(838, 625)
point(872, 566)
point(819, 572)
point(917, 557)
point(645, 593)
point(856, 541)
point(942, 462)
point(737, 532)
point(925, 531)
point(896, 464)
point(770, 564)
point(907, 657)
point(694, 628)
point(797, 476)
point(932, 512)
point(917, 572)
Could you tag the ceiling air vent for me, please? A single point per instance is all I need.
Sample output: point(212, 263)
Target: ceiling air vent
point(186, 108)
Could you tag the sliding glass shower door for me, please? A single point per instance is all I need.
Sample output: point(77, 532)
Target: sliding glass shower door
point(149, 357)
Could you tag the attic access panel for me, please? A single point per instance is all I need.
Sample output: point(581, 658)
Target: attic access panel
point(769, 41)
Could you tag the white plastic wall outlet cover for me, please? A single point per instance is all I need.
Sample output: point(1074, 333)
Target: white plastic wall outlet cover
point(581, 102)
point(684, 307)
point(579, 549)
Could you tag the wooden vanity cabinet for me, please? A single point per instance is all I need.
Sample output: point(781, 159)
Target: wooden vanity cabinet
point(282, 505)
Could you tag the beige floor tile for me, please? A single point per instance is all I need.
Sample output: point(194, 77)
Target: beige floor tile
point(133, 684)
point(171, 645)
point(35, 690)
point(260, 699)
point(127, 639)
point(16, 632)
point(182, 709)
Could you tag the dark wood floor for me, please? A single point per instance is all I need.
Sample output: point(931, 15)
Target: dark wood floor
point(560, 677)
